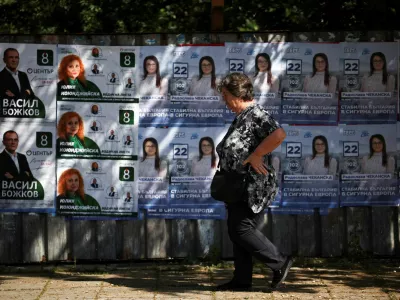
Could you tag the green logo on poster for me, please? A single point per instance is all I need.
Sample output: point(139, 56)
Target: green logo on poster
point(43, 139)
point(127, 59)
point(126, 173)
point(126, 117)
point(45, 57)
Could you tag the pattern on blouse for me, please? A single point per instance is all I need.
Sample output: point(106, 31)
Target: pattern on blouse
point(246, 132)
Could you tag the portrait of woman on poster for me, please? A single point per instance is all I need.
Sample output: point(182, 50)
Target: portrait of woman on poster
point(320, 81)
point(263, 81)
point(205, 83)
point(70, 128)
point(152, 83)
point(151, 165)
point(320, 163)
point(378, 161)
point(70, 186)
point(205, 164)
point(378, 79)
point(72, 72)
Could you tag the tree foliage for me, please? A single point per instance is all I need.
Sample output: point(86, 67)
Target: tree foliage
point(134, 16)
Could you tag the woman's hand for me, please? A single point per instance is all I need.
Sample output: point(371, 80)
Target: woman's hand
point(257, 163)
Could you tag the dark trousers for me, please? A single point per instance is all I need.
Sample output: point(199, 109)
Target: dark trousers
point(248, 241)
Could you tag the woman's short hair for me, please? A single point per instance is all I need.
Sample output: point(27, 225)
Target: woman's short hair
point(62, 183)
point(62, 126)
point(62, 69)
point(239, 85)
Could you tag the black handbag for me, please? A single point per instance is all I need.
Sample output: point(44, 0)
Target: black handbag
point(229, 187)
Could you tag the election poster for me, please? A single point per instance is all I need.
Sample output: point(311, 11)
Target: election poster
point(97, 73)
point(310, 167)
point(178, 86)
point(28, 82)
point(368, 165)
point(309, 83)
point(261, 62)
point(368, 77)
point(97, 187)
point(27, 167)
point(97, 129)
point(154, 167)
point(190, 154)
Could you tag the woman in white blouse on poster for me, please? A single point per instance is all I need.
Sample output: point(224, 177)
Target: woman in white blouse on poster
point(152, 83)
point(263, 81)
point(320, 81)
point(377, 162)
point(378, 79)
point(205, 164)
point(320, 163)
point(205, 83)
point(151, 165)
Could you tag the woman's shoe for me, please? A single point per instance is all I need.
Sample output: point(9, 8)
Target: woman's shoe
point(280, 275)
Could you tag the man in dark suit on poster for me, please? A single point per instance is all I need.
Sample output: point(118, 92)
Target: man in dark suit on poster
point(112, 135)
point(13, 165)
point(14, 84)
point(94, 126)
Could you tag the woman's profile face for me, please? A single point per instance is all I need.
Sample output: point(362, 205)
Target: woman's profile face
point(73, 183)
point(72, 127)
point(151, 66)
point(377, 145)
point(377, 63)
point(319, 146)
point(228, 98)
point(320, 64)
point(150, 148)
point(262, 64)
point(73, 69)
point(206, 67)
point(206, 147)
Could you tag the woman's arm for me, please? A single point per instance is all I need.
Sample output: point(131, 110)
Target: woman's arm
point(164, 86)
point(332, 167)
point(274, 85)
point(390, 165)
point(305, 84)
point(390, 84)
point(268, 145)
point(332, 85)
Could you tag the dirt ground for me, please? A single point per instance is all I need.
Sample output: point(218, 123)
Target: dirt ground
point(309, 279)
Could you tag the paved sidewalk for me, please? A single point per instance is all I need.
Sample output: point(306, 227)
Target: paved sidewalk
point(313, 279)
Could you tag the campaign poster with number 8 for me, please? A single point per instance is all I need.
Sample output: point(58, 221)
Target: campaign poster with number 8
point(350, 149)
point(293, 150)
